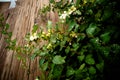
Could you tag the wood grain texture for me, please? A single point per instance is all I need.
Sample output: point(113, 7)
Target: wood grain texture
point(21, 20)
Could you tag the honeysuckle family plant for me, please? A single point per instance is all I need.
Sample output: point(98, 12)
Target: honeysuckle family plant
point(80, 45)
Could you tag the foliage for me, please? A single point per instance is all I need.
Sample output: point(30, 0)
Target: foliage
point(79, 49)
point(4, 30)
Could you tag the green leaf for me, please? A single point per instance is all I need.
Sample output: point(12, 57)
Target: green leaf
point(52, 1)
point(13, 42)
point(81, 58)
point(78, 12)
point(71, 25)
point(35, 28)
point(9, 34)
point(76, 46)
point(2, 17)
point(58, 59)
point(82, 66)
point(95, 42)
point(19, 57)
point(43, 53)
point(91, 29)
point(77, 3)
point(80, 74)
point(92, 70)
point(62, 44)
point(100, 1)
point(8, 40)
point(36, 50)
point(57, 71)
point(90, 11)
point(81, 36)
point(83, 27)
point(100, 66)
point(115, 48)
point(4, 32)
point(41, 62)
point(70, 71)
point(67, 50)
point(107, 14)
point(45, 66)
point(105, 51)
point(33, 56)
point(53, 39)
point(49, 25)
point(105, 37)
point(7, 26)
point(98, 15)
point(89, 60)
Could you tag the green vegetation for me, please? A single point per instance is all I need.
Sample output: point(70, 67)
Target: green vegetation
point(7, 34)
point(82, 49)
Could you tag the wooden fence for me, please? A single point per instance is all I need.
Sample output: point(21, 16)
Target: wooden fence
point(21, 20)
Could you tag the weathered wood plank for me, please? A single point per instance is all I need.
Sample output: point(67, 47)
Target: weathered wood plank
point(21, 20)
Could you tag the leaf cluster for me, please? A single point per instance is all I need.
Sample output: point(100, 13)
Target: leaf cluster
point(81, 48)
